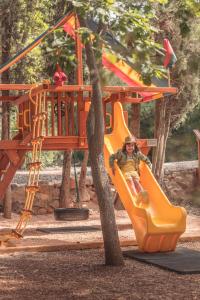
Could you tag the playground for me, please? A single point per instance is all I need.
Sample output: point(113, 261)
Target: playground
point(46, 234)
point(67, 249)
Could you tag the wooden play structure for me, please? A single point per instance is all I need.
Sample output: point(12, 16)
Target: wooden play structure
point(53, 117)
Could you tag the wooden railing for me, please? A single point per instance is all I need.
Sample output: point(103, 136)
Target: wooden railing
point(66, 114)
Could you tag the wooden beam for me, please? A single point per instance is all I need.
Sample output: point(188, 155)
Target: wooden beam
point(79, 66)
point(118, 89)
point(114, 89)
point(50, 143)
point(64, 143)
point(10, 172)
point(76, 88)
point(13, 156)
point(15, 87)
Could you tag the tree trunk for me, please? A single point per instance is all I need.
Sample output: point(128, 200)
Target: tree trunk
point(163, 117)
point(5, 78)
point(135, 120)
point(95, 135)
point(7, 209)
point(82, 178)
point(156, 129)
point(7, 202)
point(64, 199)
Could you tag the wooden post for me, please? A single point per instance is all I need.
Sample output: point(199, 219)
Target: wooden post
point(79, 72)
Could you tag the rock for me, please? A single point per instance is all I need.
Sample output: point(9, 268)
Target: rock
point(55, 193)
point(55, 204)
point(44, 188)
point(92, 194)
point(17, 207)
point(50, 210)
point(42, 211)
point(18, 194)
point(85, 197)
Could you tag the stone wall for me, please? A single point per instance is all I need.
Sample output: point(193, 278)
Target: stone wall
point(179, 180)
point(48, 196)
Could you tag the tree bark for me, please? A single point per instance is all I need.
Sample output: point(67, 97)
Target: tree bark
point(5, 78)
point(163, 117)
point(95, 135)
point(135, 120)
point(64, 199)
point(82, 178)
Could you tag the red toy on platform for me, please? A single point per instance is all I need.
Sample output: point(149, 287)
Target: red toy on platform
point(59, 76)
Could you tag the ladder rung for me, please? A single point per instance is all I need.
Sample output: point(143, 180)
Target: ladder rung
point(29, 211)
point(34, 165)
point(37, 140)
point(17, 234)
point(40, 116)
point(32, 188)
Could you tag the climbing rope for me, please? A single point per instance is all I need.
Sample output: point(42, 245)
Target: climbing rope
point(34, 166)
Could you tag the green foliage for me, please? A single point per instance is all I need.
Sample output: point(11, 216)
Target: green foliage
point(131, 23)
point(182, 142)
point(59, 48)
point(180, 22)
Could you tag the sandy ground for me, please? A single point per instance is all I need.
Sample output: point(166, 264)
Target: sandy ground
point(81, 274)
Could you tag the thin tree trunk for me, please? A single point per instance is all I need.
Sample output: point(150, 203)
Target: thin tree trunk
point(5, 136)
point(5, 78)
point(162, 132)
point(135, 119)
point(7, 209)
point(95, 134)
point(156, 131)
point(64, 199)
point(82, 178)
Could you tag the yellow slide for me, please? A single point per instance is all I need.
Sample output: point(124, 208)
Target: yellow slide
point(157, 226)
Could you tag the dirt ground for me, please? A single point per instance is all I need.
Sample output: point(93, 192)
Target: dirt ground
point(83, 275)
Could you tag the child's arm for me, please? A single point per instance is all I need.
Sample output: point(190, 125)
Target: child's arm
point(112, 158)
point(145, 159)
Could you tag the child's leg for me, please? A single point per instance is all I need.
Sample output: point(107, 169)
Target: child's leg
point(132, 186)
point(138, 185)
point(142, 194)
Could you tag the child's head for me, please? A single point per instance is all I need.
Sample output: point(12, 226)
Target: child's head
point(129, 144)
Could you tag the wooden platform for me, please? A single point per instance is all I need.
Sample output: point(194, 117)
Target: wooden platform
point(72, 239)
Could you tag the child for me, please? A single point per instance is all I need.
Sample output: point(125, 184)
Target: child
point(128, 159)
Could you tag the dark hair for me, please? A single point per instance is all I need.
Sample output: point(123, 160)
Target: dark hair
point(136, 149)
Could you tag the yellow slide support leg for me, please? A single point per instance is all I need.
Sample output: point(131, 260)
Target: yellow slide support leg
point(158, 225)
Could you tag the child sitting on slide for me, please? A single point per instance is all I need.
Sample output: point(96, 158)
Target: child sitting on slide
point(128, 159)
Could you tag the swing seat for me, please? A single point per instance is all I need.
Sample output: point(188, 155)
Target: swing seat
point(71, 214)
